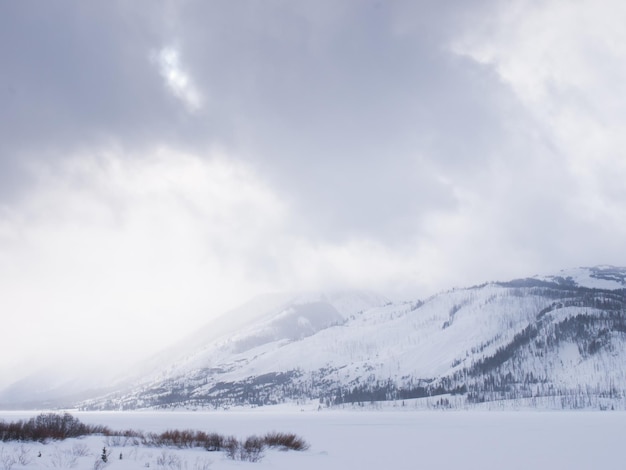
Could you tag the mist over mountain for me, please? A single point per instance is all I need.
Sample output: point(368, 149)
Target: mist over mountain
point(553, 341)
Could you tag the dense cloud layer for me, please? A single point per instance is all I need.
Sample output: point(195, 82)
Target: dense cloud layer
point(162, 161)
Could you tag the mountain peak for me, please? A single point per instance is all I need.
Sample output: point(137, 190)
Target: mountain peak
point(596, 277)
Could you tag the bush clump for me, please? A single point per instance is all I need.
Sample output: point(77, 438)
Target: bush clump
point(51, 426)
point(285, 441)
point(47, 426)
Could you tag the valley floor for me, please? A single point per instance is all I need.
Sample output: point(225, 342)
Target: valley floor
point(342, 439)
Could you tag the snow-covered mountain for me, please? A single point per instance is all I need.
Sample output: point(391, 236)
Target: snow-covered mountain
point(561, 336)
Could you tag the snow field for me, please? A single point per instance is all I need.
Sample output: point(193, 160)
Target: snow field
point(356, 439)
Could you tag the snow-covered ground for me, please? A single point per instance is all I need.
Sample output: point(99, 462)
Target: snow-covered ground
point(356, 439)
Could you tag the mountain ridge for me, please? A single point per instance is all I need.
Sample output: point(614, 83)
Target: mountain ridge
point(561, 335)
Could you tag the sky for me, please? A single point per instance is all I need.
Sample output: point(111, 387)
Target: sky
point(164, 161)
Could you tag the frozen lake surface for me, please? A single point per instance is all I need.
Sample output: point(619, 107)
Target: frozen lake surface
point(383, 439)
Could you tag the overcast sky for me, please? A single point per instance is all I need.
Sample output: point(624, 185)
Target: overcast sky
point(163, 161)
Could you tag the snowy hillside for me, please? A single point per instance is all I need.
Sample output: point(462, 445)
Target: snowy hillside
point(560, 336)
point(598, 277)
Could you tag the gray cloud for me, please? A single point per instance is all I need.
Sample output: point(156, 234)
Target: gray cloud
point(367, 118)
point(350, 112)
point(349, 117)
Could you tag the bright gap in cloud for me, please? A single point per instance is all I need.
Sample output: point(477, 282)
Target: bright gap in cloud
point(177, 78)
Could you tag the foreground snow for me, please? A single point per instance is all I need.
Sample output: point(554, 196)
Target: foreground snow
point(351, 439)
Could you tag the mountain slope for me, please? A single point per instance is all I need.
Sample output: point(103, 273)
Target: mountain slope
point(558, 336)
